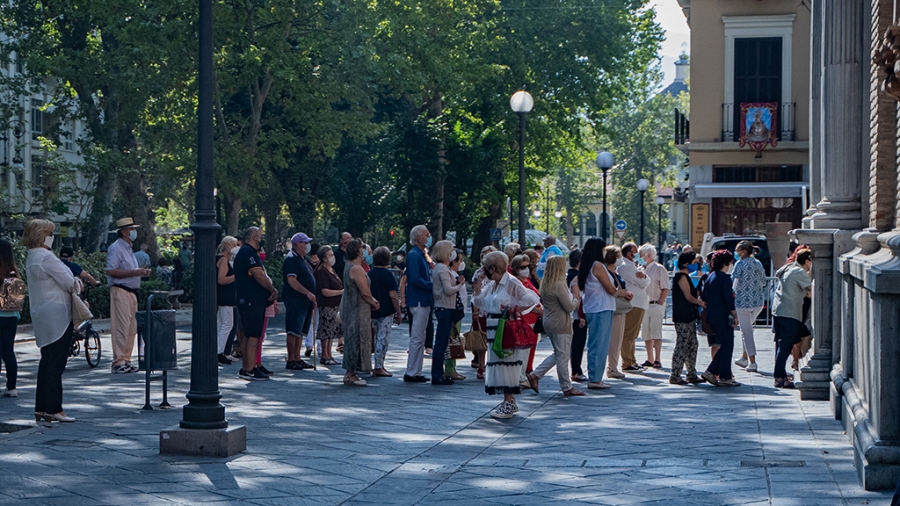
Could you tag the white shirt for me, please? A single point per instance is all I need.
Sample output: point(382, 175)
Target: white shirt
point(637, 286)
point(508, 292)
point(595, 299)
point(50, 284)
point(659, 280)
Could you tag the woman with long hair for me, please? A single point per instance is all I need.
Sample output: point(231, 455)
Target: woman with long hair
point(8, 322)
point(579, 324)
point(612, 255)
point(749, 296)
point(558, 305)
point(225, 295)
point(50, 288)
point(722, 318)
point(329, 290)
point(599, 303)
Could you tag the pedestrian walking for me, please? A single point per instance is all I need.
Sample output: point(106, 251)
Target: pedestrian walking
point(579, 323)
point(599, 299)
point(225, 298)
point(356, 312)
point(558, 303)
point(749, 279)
point(9, 319)
point(124, 278)
point(794, 284)
point(420, 299)
point(637, 282)
point(384, 289)
point(612, 256)
point(685, 302)
point(299, 295)
point(722, 318)
point(254, 292)
point(658, 292)
point(502, 291)
point(445, 287)
point(329, 290)
point(50, 288)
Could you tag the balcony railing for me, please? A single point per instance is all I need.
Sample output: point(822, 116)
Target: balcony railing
point(682, 128)
point(731, 132)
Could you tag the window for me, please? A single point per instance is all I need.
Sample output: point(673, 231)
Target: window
point(67, 136)
point(757, 74)
point(768, 174)
point(37, 119)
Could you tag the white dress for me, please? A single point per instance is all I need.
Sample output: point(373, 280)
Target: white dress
point(502, 374)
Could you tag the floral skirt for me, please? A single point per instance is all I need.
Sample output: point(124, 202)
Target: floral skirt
point(328, 326)
point(501, 375)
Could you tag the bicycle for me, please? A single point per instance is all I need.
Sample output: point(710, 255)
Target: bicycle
point(85, 332)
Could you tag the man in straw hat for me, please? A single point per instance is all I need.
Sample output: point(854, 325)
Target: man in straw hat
point(124, 278)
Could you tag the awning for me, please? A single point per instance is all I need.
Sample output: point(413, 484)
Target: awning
point(748, 190)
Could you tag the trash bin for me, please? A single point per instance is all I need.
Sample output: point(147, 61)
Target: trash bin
point(160, 343)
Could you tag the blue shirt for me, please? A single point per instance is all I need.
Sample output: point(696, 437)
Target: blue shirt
point(750, 283)
point(552, 251)
point(719, 298)
point(298, 267)
point(418, 279)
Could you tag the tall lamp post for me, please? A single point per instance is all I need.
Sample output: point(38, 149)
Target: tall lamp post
point(642, 185)
point(605, 161)
point(659, 202)
point(521, 103)
point(18, 132)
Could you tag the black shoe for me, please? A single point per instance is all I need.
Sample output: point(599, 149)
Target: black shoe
point(415, 379)
point(291, 365)
point(223, 360)
point(302, 364)
point(633, 368)
point(254, 375)
point(442, 381)
point(308, 352)
point(264, 370)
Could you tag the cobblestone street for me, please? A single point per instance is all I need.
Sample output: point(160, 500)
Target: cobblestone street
point(312, 440)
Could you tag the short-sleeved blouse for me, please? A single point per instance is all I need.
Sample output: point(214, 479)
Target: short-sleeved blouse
point(508, 292)
point(749, 283)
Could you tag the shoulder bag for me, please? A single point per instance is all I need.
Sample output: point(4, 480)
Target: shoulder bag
point(517, 334)
point(476, 339)
point(622, 305)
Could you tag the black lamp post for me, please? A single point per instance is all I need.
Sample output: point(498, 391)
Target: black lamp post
point(642, 185)
point(659, 202)
point(521, 103)
point(203, 410)
point(605, 161)
point(18, 132)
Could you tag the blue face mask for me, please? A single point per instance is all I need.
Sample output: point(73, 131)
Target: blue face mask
point(641, 262)
point(132, 235)
point(428, 242)
point(368, 259)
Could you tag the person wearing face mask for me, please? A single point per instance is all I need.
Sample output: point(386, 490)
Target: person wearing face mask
point(787, 307)
point(124, 278)
point(445, 286)
point(521, 265)
point(658, 291)
point(367, 258)
point(225, 295)
point(329, 290)
point(419, 298)
point(637, 282)
point(254, 292)
point(340, 254)
point(399, 261)
point(299, 295)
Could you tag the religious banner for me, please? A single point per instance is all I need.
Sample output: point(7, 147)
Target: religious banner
point(699, 224)
point(758, 125)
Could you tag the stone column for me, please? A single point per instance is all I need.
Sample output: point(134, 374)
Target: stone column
point(815, 110)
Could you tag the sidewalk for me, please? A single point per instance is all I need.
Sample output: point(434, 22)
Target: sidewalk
point(25, 334)
point(313, 441)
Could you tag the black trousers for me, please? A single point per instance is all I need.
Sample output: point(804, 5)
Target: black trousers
point(54, 356)
point(579, 339)
point(8, 349)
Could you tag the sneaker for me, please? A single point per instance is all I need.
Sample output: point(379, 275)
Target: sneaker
point(741, 362)
point(232, 358)
point(615, 375)
point(710, 378)
point(254, 375)
point(515, 407)
point(728, 383)
point(504, 410)
point(752, 367)
point(264, 370)
point(657, 365)
point(121, 369)
point(677, 381)
point(633, 368)
point(598, 385)
point(133, 368)
point(10, 393)
point(223, 359)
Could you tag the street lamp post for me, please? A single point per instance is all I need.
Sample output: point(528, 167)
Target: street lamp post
point(659, 202)
point(521, 103)
point(605, 161)
point(18, 132)
point(642, 185)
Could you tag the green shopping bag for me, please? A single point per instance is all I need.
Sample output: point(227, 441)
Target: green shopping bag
point(497, 347)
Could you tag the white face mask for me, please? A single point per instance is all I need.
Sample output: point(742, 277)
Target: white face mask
point(234, 251)
point(330, 260)
point(523, 272)
point(132, 235)
point(462, 266)
point(453, 256)
point(48, 241)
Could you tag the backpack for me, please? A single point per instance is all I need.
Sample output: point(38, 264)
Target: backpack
point(12, 295)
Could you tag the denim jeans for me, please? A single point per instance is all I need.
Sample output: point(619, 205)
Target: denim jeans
point(441, 341)
point(599, 333)
point(721, 363)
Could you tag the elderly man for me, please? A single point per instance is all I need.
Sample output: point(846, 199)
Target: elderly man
point(550, 250)
point(419, 299)
point(340, 254)
point(658, 291)
point(124, 278)
point(299, 299)
point(637, 282)
point(255, 292)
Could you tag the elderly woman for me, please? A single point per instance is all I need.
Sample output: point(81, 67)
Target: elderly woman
point(384, 289)
point(50, 288)
point(521, 267)
point(462, 298)
point(357, 304)
point(225, 296)
point(502, 291)
point(612, 255)
point(445, 287)
point(794, 286)
point(749, 293)
point(722, 318)
point(685, 301)
point(329, 290)
point(478, 319)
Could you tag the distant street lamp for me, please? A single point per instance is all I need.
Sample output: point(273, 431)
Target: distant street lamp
point(660, 201)
point(605, 161)
point(18, 132)
point(642, 185)
point(521, 103)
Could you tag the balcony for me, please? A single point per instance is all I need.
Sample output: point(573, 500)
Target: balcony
point(682, 129)
point(785, 117)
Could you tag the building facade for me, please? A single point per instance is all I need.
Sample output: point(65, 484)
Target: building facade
point(747, 55)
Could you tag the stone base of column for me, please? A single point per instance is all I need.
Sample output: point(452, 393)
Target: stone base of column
point(203, 442)
point(815, 377)
point(836, 392)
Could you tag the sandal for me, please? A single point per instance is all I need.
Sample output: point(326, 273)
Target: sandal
point(573, 392)
point(657, 365)
point(480, 374)
point(533, 381)
point(354, 381)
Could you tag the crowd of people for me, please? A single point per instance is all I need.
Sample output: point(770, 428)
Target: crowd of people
point(348, 298)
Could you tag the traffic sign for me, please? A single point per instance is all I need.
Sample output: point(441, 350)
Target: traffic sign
point(496, 234)
point(621, 234)
point(621, 225)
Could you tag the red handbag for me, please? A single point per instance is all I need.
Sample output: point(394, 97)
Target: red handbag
point(516, 333)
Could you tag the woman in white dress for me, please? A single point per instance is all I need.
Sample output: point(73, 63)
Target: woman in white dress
point(500, 292)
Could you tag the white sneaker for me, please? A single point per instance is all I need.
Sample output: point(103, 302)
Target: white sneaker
point(742, 362)
point(11, 393)
point(752, 367)
point(504, 410)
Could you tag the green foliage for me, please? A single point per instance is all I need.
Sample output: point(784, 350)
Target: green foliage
point(275, 269)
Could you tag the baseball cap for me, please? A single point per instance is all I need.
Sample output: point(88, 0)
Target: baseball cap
point(300, 237)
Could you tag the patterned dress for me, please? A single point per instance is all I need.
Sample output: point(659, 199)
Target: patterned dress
point(357, 317)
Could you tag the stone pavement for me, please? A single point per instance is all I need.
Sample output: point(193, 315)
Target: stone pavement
point(312, 440)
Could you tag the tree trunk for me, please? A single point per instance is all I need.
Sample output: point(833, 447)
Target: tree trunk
point(98, 221)
point(570, 240)
point(435, 111)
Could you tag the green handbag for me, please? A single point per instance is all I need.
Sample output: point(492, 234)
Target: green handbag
point(497, 347)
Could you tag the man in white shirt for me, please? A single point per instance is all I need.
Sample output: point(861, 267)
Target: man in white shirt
point(124, 278)
point(658, 291)
point(637, 282)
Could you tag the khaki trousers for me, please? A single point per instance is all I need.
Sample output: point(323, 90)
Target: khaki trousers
point(122, 324)
point(633, 321)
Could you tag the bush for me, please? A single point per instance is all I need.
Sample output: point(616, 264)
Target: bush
point(275, 269)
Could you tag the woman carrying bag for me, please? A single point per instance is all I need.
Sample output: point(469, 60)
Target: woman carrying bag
point(685, 301)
